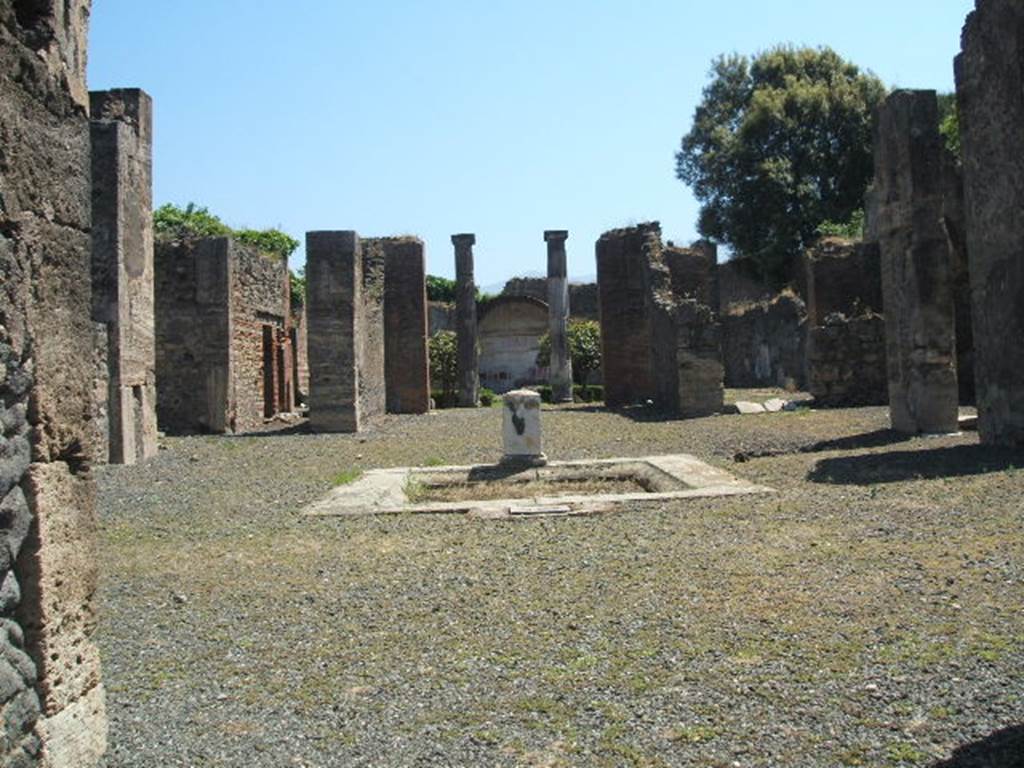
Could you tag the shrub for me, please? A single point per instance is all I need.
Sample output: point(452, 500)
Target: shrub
point(487, 397)
point(171, 222)
point(444, 364)
point(584, 348)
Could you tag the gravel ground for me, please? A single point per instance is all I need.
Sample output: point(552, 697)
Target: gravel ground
point(871, 613)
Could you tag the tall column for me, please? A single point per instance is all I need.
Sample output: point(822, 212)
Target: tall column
point(917, 279)
point(465, 322)
point(991, 101)
point(122, 268)
point(560, 375)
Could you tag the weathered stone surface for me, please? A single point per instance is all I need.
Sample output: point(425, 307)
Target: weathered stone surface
point(509, 330)
point(954, 224)
point(625, 325)
point(694, 272)
point(764, 343)
point(407, 365)
point(845, 327)
point(917, 279)
point(122, 268)
point(991, 103)
point(560, 367)
point(223, 352)
point(521, 427)
point(345, 310)
point(583, 298)
point(46, 361)
point(746, 408)
point(468, 378)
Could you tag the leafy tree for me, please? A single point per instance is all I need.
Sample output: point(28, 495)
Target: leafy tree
point(440, 289)
point(444, 363)
point(298, 286)
point(949, 122)
point(780, 144)
point(852, 229)
point(584, 338)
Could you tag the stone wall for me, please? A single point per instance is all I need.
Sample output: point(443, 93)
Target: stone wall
point(193, 280)
point(583, 297)
point(122, 270)
point(440, 317)
point(300, 351)
point(345, 310)
point(954, 226)
point(764, 344)
point(694, 272)
point(51, 694)
point(740, 283)
point(991, 102)
point(846, 361)
point(846, 356)
point(510, 328)
point(261, 365)
point(407, 367)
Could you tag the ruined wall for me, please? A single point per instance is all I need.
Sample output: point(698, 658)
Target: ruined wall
point(739, 283)
point(510, 329)
point(625, 325)
point(122, 269)
point(372, 386)
point(846, 361)
point(407, 368)
point(194, 370)
point(51, 697)
point(991, 102)
point(846, 355)
point(764, 344)
point(440, 317)
point(300, 352)
point(694, 272)
point(583, 297)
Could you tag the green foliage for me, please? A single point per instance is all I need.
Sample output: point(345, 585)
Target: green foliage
point(444, 364)
point(949, 122)
point(851, 230)
point(440, 289)
point(172, 222)
point(298, 286)
point(347, 477)
point(584, 349)
point(545, 393)
point(780, 144)
point(487, 397)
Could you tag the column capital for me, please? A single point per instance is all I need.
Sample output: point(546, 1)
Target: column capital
point(464, 239)
point(556, 235)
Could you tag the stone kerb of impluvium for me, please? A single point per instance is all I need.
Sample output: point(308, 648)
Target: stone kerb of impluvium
point(560, 367)
point(468, 354)
point(521, 428)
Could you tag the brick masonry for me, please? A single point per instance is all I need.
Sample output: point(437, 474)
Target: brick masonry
point(407, 366)
point(122, 271)
point(764, 343)
point(917, 276)
point(51, 692)
point(991, 101)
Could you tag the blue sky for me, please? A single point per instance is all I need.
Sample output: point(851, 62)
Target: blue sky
point(500, 118)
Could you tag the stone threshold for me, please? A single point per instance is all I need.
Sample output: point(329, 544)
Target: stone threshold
point(384, 491)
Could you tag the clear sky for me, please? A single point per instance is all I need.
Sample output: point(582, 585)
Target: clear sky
point(431, 117)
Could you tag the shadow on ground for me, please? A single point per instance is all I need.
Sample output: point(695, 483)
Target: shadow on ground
point(897, 466)
point(1002, 749)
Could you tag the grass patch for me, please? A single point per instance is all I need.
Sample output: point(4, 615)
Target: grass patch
point(347, 477)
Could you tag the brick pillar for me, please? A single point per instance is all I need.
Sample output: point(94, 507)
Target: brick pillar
point(988, 75)
point(334, 276)
point(122, 268)
point(407, 362)
point(465, 322)
point(917, 280)
point(560, 369)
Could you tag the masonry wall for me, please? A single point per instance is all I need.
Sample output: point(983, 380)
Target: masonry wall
point(260, 297)
point(764, 344)
point(122, 270)
point(371, 339)
point(51, 697)
point(843, 276)
point(193, 336)
point(300, 352)
point(991, 102)
point(584, 303)
point(625, 324)
point(407, 368)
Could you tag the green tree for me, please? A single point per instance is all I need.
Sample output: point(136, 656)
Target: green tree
point(949, 122)
point(440, 289)
point(298, 286)
point(444, 364)
point(584, 338)
point(780, 144)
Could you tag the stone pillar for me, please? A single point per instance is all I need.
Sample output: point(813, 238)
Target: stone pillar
point(334, 276)
point(122, 269)
point(407, 363)
point(560, 375)
point(625, 326)
point(465, 322)
point(917, 280)
point(991, 101)
point(521, 428)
